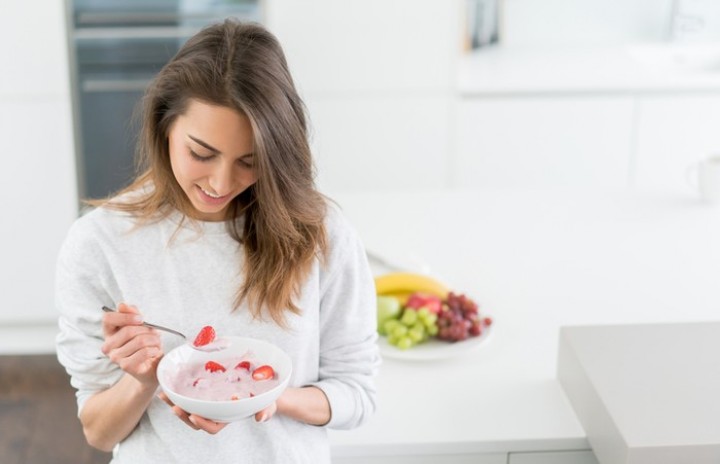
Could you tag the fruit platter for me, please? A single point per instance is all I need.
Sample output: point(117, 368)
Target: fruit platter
point(420, 318)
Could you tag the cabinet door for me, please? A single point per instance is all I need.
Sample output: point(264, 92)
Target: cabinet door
point(673, 133)
point(38, 200)
point(400, 45)
point(34, 48)
point(537, 142)
point(381, 143)
point(553, 457)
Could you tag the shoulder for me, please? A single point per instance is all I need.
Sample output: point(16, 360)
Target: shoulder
point(90, 230)
point(337, 225)
point(343, 240)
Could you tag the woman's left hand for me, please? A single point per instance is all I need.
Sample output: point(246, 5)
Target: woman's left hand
point(193, 420)
point(210, 426)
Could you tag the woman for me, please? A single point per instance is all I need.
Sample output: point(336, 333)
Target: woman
point(222, 227)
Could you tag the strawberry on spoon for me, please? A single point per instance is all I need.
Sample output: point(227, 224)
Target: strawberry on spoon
point(206, 340)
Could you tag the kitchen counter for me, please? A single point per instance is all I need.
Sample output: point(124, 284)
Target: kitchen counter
point(535, 261)
point(645, 394)
point(639, 68)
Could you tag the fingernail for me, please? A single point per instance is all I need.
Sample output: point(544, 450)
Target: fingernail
point(263, 418)
point(138, 319)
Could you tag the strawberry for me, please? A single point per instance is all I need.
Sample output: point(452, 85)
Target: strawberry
point(422, 300)
point(212, 366)
point(263, 373)
point(243, 365)
point(205, 336)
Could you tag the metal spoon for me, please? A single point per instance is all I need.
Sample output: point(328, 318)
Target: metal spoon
point(154, 326)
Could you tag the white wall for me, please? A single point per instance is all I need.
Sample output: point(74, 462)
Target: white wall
point(561, 23)
point(37, 192)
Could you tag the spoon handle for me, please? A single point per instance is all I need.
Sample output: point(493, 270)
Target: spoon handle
point(148, 324)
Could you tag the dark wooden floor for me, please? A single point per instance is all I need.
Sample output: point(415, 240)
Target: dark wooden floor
point(38, 414)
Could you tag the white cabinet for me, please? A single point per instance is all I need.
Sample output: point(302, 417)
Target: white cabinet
point(544, 141)
point(375, 45)
point(490, 458)
point(38, 192)
point(674, 131)
point(380, 143)
point(34, 49)
point(377, 77)
point(553, 457)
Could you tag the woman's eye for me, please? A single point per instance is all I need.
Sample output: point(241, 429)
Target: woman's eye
point(245, 163)
point(200, 158)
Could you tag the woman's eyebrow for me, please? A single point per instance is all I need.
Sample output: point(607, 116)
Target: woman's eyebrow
point(204, 144)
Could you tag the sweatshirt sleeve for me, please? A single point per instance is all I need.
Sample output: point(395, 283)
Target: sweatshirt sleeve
point(349, 356)
point(81, 288)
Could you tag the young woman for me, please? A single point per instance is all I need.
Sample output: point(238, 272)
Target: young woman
point(223, 227)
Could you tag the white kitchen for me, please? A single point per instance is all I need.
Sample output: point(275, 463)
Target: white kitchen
point(557, 161)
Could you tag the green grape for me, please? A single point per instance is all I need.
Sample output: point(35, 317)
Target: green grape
point(417, 333)
point(423, 312)
point(409, 317)
point(404, 343)
point(399, 331)
point(432, 330)
point(392, 339)
point(431, 319)
point(390, 325)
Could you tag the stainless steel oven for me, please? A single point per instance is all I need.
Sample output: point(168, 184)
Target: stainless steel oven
point(116, 47)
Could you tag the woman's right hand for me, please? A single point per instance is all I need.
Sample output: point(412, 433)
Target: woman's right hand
point(135, 348)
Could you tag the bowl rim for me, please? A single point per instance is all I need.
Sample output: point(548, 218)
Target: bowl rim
point(162, 368)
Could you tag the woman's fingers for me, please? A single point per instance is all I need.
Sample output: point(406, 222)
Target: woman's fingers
point(128, 340)
point(265, 414)
point(124, 316)
point(196, 422)
point(207, 425)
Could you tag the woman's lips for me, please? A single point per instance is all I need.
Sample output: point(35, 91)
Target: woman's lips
point(207, 198)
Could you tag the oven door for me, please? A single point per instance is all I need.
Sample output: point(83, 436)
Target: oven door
point(118, 47)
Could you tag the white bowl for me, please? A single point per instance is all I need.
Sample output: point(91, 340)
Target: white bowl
point(230, 410)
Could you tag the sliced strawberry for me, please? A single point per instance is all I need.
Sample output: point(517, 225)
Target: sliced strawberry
point(263, 373)
point(205, 336)
point(212, 366)
point(243, 365)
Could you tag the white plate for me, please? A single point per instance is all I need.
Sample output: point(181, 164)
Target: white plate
point(432, 348)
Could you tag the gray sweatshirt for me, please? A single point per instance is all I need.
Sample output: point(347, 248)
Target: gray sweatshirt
point(186, 278)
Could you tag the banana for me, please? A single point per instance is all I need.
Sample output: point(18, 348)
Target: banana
point(409, 282)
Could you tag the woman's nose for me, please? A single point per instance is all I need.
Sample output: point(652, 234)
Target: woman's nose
point(221, 180)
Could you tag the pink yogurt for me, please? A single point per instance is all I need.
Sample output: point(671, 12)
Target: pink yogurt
point(195, 381)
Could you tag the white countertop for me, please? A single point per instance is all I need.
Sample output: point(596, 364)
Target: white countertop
point(535, 261)
point(637, 68)
point(645, 393)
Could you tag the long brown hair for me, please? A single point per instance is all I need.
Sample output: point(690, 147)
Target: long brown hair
point(240, 66)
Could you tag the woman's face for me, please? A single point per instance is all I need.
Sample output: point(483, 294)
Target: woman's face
point(211, 154)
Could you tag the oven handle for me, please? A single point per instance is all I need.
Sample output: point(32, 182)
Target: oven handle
point(134, 33)
point(109, 19)
point(114, 85)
